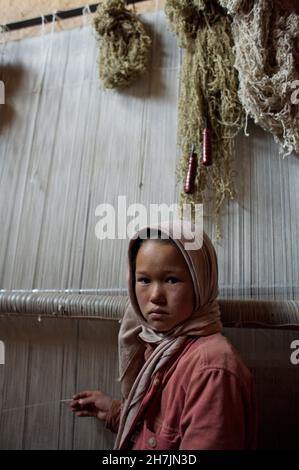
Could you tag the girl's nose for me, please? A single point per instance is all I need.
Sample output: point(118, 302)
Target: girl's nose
point(157, 294)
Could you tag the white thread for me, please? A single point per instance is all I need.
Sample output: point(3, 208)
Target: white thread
point(85, 15)
point(66, 400)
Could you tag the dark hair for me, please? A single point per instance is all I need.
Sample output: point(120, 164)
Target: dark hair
point(156, 235)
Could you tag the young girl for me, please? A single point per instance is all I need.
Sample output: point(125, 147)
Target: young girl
point(183, 384)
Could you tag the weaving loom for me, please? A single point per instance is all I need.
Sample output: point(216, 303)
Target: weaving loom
point(59, 343)
point(62, 341)
point(54, 177)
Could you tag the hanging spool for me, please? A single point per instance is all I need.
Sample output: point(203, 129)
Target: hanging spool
point(189, 187)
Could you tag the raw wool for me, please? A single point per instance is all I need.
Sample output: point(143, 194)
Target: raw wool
point(209, 86)
point(233, 6)
point(267, 59)
point(124, 44)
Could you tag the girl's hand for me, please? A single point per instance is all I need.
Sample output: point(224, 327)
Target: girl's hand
point(91, 403)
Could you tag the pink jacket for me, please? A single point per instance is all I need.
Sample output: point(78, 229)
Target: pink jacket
point(203, 399)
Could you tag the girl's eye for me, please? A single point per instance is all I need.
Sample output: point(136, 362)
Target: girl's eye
point(172, 280)
point(143, 280)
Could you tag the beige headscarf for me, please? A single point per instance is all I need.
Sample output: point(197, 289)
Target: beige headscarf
point(135, 372)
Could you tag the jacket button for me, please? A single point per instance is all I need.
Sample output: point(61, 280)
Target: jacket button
point(156, 382)
point(152, 442)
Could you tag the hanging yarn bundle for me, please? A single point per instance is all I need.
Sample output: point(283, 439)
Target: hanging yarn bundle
point(124, 44)
point(267, 59)
point(210, 114)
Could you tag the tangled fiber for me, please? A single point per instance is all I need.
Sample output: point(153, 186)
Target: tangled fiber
point(124, 44)
point(233, 6)
point(267, 59)
point(209, 93)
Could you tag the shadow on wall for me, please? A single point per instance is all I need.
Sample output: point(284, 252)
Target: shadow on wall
point(12, 78)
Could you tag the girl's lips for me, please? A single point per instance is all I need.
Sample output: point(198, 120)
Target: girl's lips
point(157, 315)
point(157, 310)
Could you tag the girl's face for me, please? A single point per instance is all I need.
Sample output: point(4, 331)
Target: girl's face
point(163, 286)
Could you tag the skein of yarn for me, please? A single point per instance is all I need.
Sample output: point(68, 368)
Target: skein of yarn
point(123, 42)
point(266, 36)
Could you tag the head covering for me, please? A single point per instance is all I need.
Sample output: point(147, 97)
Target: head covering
point(135, 332)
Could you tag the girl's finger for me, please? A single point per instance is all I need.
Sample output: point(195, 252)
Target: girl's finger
point(81, 395)
point(84, 413)
point(86, 401)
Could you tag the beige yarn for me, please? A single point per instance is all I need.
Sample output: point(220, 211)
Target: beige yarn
point(267, 59)
point(124, 44)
